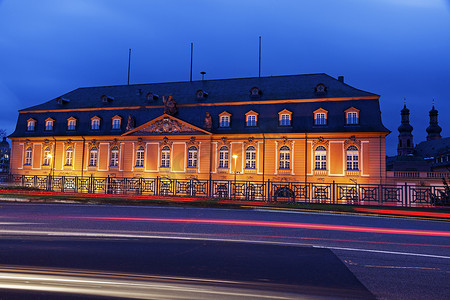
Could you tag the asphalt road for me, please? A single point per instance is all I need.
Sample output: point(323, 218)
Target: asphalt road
point(307, 253)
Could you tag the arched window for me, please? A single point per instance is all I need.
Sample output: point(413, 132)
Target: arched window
point(320, 158)
point(114, 157)
point(140, 156)
point(165, 157)
point(192, 157)
point(285, 158)
point(250, 158)
point(69, 156)
point(28, 155)
point(352, 158)
point(223, 157)
point(47, 157)
point(93, 155)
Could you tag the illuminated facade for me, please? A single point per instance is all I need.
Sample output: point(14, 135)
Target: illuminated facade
point(298, 128)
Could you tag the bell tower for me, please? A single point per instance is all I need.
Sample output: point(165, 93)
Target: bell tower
point(405, 138)
point(434, 130)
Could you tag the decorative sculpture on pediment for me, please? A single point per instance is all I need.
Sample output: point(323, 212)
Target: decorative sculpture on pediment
point(321, 141)
point(170, 105)
point(250, 142)
point(224, 142)
point(165, 142)
point(208, 121)
point(284, 141)
point(131, 124)
point(93, 143)
point(167, 125)
point(192, 142)
point(352, 141)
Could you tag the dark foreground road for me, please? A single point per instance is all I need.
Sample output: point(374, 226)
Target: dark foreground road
point(221, 253)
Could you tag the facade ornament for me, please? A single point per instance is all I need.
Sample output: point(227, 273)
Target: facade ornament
point(114, 142)
point(208, 122)
point(140, 141)
point(352, 141)
point(165, 142)
point(166, 125)
point(192, 142)
point(170, 105)
point(93, 143)
point(320, 142)
point(250, 142)
point(131, 124)
point(224, 142)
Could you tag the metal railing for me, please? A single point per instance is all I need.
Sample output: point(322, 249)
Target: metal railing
point(269, 191)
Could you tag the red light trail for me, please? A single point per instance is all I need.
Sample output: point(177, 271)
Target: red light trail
point(276, 224)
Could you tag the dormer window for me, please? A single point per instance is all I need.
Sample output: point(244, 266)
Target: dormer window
point(116, 122)
point(106, 98)
point(251, 119)
point(320, 88)
point(151, 97)
point(95, 123)
point(31, 124)
point(71, 123)
point(352, 116)
point(61, 100)
point(201, 94)
point(255, 92)
point(284, 117)
point(49, 124)
point(320, 117)
point(224, 119)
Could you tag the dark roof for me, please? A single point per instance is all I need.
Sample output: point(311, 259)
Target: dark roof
point(219, 91)
point(433, 148)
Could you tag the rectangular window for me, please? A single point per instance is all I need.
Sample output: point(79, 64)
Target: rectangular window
point(30, 125)
point(224, 121)
point(285, 120)
point(251, 120)
point(48, 125)
point(352, 118)
point(71, 125)
point(95, 125)
point(320, 119)
point(116, 124)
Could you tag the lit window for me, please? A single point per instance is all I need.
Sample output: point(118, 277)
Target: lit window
point(116, 123)
point(224, 121)
point(47, 157)
point(31, 125)
point(114, 157)
point(28, 155)
point(285, 158)
point(140, 157)
point(320, 158)
point(95, 124)
point(165, 157)
point(352, 118)
point(49, 124)
point(93, 155)
point(69, 156)
point(250, 158)
point(320, 119)
point(192, 157)
point(223, 157)
point(71, 124)
point(251, 120)
point(285, 120)
point(352, 158)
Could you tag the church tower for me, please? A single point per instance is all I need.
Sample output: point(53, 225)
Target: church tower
point(434, 130)
point(405, 138)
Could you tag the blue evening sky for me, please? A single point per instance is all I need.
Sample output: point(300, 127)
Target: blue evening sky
point(395, 48)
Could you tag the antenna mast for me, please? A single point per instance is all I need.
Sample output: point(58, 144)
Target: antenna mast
point(192, 53)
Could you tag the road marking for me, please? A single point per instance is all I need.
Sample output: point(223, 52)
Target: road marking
point(137, 236)
point(384, 252)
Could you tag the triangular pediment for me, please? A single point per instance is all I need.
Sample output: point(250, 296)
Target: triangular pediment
point(165, 125)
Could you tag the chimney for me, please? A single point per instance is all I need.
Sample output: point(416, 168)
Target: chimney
point(203, 75)
point(341, 79)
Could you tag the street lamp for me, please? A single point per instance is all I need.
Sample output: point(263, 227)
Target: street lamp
point(235, 158)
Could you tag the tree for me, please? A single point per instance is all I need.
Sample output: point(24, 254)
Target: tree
point(2, 133)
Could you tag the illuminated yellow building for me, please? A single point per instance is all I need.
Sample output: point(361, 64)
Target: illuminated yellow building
point(298, 128)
